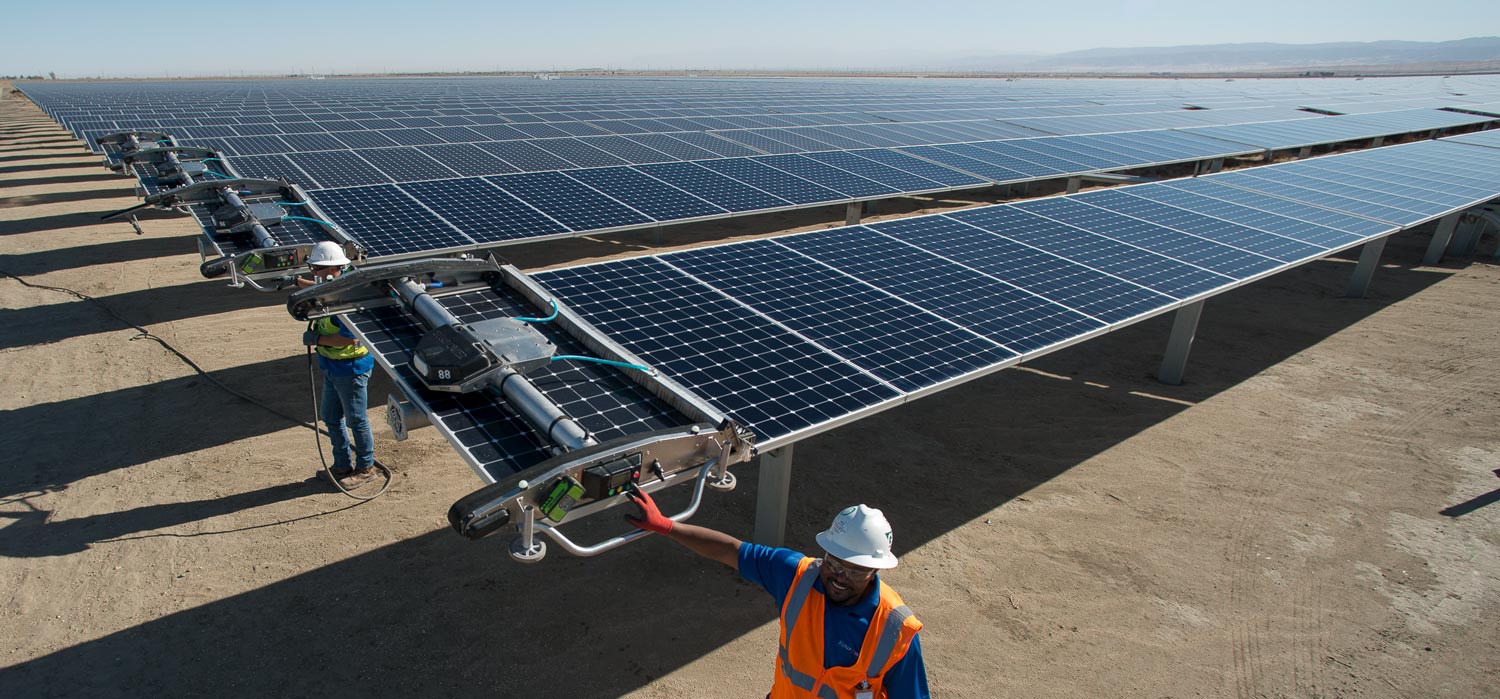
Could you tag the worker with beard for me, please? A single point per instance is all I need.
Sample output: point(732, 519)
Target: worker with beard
point(845, 634)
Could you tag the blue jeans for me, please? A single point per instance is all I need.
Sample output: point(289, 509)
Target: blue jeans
point(345, 400)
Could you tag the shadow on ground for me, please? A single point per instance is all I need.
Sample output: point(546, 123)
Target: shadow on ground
point(129, 247)
point(71, 317)
point(436, 615)
point(58, 197)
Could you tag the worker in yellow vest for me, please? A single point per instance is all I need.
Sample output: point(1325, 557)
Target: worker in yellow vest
point(346, 366)
point(844, 633)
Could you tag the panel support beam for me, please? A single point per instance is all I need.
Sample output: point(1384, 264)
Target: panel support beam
point(1377, 142)
point(771, 496)
point(1074, 183)
point(1305, 152)
point(853, 212)
point(1180, 343)
point(1440, 238)
point(1215, 165)
point(1369, 259)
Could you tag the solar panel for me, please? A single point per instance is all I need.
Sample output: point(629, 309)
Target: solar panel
point(1197, 251)
point(722, 191)
point(756, 371)
point(406, 164)
point(1169, 276)
point(482, 211)
point(1339, 220)
point(1017, 319)
point(896, 180)
point(646, 194)
point(1274, 246)
point(525, 156)
point(337, 169)
point(1085, 290)
point(902, 344)
point(468, 160)
point(569, 202)
point(387, 221)
point(773, 181)
point(843, 181)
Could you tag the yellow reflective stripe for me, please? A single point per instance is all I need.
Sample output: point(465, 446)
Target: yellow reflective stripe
point(325, 326)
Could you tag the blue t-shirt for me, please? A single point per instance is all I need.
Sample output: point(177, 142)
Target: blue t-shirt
point(345, 367)
point(843, 627)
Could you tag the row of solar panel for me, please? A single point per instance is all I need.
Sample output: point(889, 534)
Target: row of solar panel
point(793, 333)
point(461, 212)
point(442, 212)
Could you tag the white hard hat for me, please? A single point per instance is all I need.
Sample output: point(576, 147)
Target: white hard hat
point(861, 536)
point(327, 254)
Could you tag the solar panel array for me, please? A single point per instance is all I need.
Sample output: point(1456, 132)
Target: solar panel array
point(411, 167)
point(798, 333)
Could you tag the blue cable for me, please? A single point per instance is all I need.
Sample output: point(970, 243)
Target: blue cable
point(210, 160)
point(541, 320)
point(290, 203)
point(218, 174)
point(610, 362)
point(314, 220)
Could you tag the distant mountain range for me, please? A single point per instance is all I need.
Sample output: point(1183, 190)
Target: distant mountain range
point(1244, 57)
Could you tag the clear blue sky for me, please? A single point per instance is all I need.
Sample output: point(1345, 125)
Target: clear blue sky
point(76, 38)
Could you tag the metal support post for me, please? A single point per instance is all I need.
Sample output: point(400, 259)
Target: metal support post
point(1184, 327)
point(1369, 259)
point(852, 213)
point(1305, 152)
point(771, 496)
point(1377, 142)
point(1215, 165)
point(1440, 238)
point(1074, 183)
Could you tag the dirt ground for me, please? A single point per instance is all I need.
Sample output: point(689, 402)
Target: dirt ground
point(1311, 515)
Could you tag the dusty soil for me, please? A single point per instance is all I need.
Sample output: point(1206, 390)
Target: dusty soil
point(1311, 515)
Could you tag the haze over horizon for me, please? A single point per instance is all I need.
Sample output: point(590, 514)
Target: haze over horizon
point(381, 36)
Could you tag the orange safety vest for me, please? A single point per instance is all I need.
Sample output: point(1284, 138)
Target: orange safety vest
point(799, 664)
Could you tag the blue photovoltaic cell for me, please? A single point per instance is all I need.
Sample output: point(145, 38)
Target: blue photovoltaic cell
point(578, 152)
point(646, 194)
point(1394, 174)
point(1081, 288)
point(1021, 321)
point(482, 211)
point(307, 142)
point(774, 181)
point(571, 203)
point(406, 164)
point(337, 168)
point(1010, 156)
point(538, 130)
point(578, 128)
point(1044, 152)
point(832, 139)
point(271, 167)
point(679, 150)
point(762, 375)
point(871, 170)
point(755, 140)
point(1358, 225)
point(719, 146)
point(981, 168)
point(499, 132)
point(387, 221)
point(364, 139)
point(256, 145)
point(467, 159)
point(525, 156)
point(1354, 206)
point(1158, 272)
point(849, 133)
point(1314, 234)
point(628, 150)
point(849, 184)
point(1401, 196)
point(1271, 245)
point(898, 342)
point(1200, 252)
point(256, 129)
point(456, 134)
point(412, 137)
point(728, 193)
point(917, 166)
point(796, 139)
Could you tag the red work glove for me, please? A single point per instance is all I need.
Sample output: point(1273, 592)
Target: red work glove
point(653, 520)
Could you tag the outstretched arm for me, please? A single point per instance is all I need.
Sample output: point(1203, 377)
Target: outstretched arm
point(708, 543)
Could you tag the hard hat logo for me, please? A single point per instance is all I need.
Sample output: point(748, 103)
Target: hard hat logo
point(860, 535)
